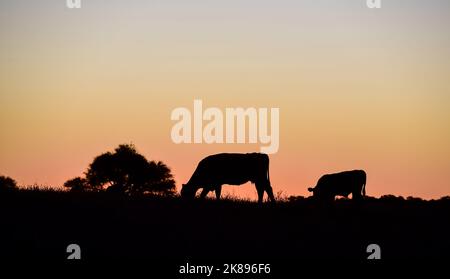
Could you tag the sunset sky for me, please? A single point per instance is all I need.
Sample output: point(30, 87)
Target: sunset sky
point(357, 88)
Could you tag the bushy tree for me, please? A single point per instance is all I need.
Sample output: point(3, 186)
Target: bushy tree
point(77, 184)
point(7, 184)
point(127, 171)
point(414, 199)
point(161, 179)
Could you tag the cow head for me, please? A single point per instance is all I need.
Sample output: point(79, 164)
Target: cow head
point(319, 193)
point(188, 191)
point(313, 190)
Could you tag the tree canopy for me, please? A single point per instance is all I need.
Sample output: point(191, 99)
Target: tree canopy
point(7, 183)
point(125, 171)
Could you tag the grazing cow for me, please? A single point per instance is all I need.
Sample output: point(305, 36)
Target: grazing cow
point(233, 169)
point(341, 184)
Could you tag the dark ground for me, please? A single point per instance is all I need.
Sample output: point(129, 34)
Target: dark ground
point(40, 224)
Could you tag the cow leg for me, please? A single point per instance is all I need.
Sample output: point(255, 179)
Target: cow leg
point(218, 191)
point(260, 188)
point(260, 195)
point(204, 192)
point(260, 191)
point(269, 191)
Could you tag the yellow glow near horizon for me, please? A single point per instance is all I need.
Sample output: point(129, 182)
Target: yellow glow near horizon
point(356, 88)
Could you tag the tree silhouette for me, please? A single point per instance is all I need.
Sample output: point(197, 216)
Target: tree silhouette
point(127, 171)
point(77, 184)
point(7, 184)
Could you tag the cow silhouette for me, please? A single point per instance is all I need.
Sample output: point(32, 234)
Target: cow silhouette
point(232, 169)
point(340, 184)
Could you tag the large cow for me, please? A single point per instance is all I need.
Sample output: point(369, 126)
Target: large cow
point(340, 184)
point(232, 169)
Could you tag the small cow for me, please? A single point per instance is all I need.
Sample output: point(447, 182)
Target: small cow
point(341, 184)
point(232, 169)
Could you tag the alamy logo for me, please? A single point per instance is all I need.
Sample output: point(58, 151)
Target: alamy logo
point(220, 127)
point(373, 4)
point(73, 4)
point(74, 252)
point(374, 251)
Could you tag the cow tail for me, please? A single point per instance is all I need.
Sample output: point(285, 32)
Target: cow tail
point(364, 185)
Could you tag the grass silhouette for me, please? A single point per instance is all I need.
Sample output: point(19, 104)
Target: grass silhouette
point(40, 222)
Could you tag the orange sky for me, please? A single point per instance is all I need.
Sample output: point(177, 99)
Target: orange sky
point(356, 87)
